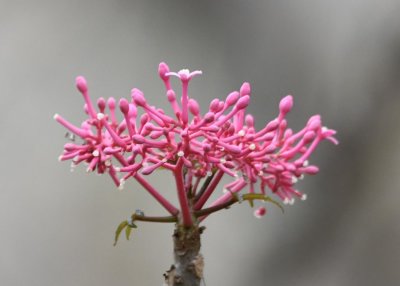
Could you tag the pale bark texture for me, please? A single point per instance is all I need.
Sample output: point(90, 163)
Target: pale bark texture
point(188, 267)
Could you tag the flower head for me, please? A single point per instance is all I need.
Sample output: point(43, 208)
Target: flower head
point(195, 146)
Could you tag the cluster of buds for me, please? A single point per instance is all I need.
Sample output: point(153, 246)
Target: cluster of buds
point(199, 149)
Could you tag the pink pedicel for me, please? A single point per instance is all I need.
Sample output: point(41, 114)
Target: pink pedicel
point(194, 147)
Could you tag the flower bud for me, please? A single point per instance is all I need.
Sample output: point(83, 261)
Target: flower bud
point(243, 102)
point(139, 139)
point(138, 97)
point(232, 98)
point(111, 103)
point(249, 120)
point(101, 103)
point(314, 122)
point(245, 89)
point(308, 137)
point(171, 95)
point(286, 104)
point(214, 105)
point(209, 117)
point(194, 107)
point(124, 106)
point(81, 84)
point(311, 170)
point(162, 70)
point(260, 212)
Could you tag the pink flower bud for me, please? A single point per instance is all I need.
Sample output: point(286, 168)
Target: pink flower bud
point(171, 95)
point(101, 103)
point(209, 117)
point(245, 89)
point(232, 98)
point(194, 107)
point(70, 147)
point(286, 104)
point(221, 105)
point(124, 106)
point(311, 170)
point(288, 133)
point(308, 137)
point(249, 119)
point(111, 150)
point(206, 147)
point(139, 139)
point(243, 102)
point(81, 84)
point(162, 70)
point(314, 122)
point(214, 105)
point(260, 212)
point(149, 169)
point(132, 110)
point(111, 103)
point(138, 97)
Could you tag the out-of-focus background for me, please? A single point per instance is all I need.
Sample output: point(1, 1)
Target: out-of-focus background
point(340, 59)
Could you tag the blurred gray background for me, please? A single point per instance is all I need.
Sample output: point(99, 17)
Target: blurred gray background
point(338, 58)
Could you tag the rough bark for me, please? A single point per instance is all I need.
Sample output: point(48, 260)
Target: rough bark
point(188, 267)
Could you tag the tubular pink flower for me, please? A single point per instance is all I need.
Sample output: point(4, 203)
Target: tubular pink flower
point(185, 75)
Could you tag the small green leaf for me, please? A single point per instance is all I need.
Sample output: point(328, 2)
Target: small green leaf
point(268, 199)
point(252, 197)
point(251, 202)
point(128, 230)
point(120, 228)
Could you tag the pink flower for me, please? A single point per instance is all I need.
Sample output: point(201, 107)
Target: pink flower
point(221, 142)
point(185, 74)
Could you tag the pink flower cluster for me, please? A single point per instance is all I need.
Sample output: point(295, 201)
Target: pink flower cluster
point(194, 147)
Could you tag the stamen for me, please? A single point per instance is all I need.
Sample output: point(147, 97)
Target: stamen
point(100, 116)
point(121, 184)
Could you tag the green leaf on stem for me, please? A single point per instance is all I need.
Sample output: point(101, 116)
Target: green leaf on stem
point(128, 231)
point(252, 197)
point(268, 199)
point(120, 228)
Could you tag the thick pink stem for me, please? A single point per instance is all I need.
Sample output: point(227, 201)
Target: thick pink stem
point(163, 201)
point(186, 216)
point(203, 199)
